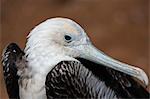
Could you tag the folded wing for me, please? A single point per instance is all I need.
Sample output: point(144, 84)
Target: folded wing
point(71, 79)
point(11, 55)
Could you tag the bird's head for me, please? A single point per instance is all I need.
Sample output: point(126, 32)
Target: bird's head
point(65, 37)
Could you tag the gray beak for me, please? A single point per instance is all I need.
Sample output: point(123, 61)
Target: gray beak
point(91, 53)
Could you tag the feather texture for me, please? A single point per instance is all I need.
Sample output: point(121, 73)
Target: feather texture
point(71, 79)
point(11, 55)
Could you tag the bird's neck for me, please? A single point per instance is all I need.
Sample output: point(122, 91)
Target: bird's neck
point(43, 57)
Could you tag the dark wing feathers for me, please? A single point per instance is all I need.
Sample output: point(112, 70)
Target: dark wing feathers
point(10, 55)
point(70, 79)
point(123, 85)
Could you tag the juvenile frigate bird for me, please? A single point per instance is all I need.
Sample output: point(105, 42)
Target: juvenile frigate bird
point(59, 61)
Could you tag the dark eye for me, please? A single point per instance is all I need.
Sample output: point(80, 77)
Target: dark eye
point(68, 38)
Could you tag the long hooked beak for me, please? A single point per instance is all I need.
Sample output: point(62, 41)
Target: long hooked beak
point(92, 53)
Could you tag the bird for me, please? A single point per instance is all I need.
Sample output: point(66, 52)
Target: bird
point(60, 61)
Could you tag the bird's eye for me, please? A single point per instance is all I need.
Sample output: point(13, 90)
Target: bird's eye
point(68, 38)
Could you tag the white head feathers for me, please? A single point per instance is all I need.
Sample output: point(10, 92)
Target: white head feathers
point(60, 39)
